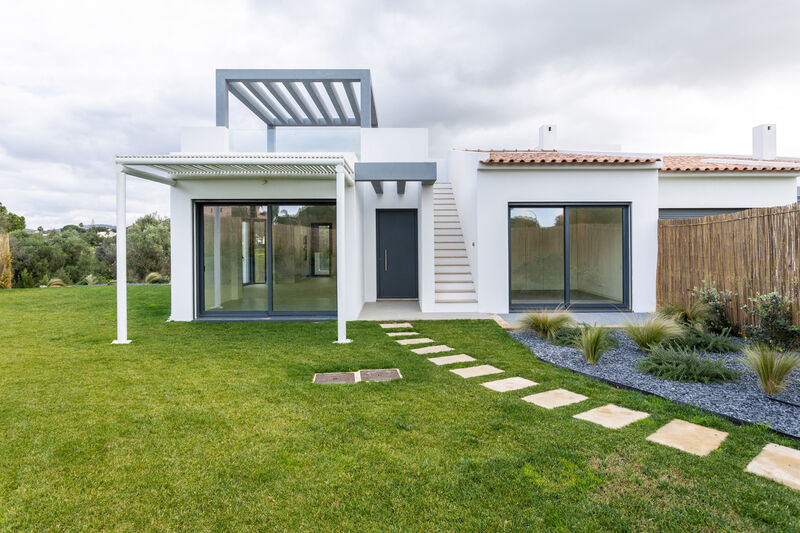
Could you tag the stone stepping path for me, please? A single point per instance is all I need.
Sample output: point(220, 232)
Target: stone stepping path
point(509, 384)
point(688, 437)
point(778, 463)
point(432, 349)
point(555, 398)
point(450, 359)
point(375, 374)
point(612, 416)
point(396, 325)
point(401, 333)
point(476, 371)
point(415, 340)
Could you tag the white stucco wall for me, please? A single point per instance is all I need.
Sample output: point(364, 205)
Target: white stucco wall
point(462, 168)
point(496, 188)
point(686, 191)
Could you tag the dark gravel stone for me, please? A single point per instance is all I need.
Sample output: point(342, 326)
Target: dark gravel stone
point(740, 400)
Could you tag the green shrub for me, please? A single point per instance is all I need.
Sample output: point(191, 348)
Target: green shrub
point(701, 340)
point(771, 367)
point(547, 322)
point(653, 332)
point(774, 315)
point(680, 364)
point(26, 280)
point(592, 341)
point(695, 313)
point(716, 302)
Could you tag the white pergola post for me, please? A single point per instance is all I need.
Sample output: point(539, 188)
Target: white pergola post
point(341, 259)
point(122, 264)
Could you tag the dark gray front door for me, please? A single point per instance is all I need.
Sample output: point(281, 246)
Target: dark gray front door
point(397, 253)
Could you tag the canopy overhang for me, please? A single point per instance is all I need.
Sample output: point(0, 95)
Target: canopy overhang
point(401, 172)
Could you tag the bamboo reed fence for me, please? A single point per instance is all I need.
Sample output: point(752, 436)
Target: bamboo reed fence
point(5, 259)
point(751, 252)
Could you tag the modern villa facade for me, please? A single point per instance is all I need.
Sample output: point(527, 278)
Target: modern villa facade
point(271, 224)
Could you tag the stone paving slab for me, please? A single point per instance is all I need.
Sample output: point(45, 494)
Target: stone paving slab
point(401, 333)
point(415, 340)
point(450, 359)
point(688, 437)
point(612, 416)
point(396, 325)
point(380, 374)
point(778, 463)
point(555, 398)
point(509, 384)
point(476, 371)
point(432, 349)
point(329, 378)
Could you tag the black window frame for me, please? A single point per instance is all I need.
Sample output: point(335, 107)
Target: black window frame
point(626, 257)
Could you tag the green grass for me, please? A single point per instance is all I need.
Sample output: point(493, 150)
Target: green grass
point(216, 426)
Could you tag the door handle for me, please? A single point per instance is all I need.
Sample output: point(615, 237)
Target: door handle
point(385, 260)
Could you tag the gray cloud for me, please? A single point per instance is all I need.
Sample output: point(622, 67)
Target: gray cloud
point(83, 81)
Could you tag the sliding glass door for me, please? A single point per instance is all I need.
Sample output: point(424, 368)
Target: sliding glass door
point(267, 259)
point(572, 255)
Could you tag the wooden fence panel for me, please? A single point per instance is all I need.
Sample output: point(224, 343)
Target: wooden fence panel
point(752, 252)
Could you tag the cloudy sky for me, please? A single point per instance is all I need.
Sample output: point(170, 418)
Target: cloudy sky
point(83, 81)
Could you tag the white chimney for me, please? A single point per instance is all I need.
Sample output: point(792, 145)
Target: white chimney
point(764, 141)
point(547, 136)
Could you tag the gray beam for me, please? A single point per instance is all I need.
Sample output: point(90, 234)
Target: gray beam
point(312, 91)
point(337, 104)
point(351, 97)
point(270, 138)
point(413, 171)
point(222, 100)
point(243, 98)
point(293, 74)
point(148, 176)
point(281, 100)
point(401, 187)
point(261, 96)
point(301, 101)
point(378, 186)
point(374, 121)
point(366, 100)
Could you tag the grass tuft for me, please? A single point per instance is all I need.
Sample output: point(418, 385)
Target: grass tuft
point(680, 364)
point(547, 323)
point(770, 366)
point(653, 332)
point(702, 340)
point(55, 282)
point(593, 342)
point(695, 313)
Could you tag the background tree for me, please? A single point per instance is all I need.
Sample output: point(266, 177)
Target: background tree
point(9, 221)
point(148, 246)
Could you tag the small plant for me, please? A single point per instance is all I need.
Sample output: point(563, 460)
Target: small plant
point(653, 332)
point(701, 340)
point(716, 303)
point(696, 312)
point(547, 323)
point(153, 277)
point(592, 341)
point(567, 336)
point(771, 367)
point(55, 282)
point(679, 364)
point(774, 315)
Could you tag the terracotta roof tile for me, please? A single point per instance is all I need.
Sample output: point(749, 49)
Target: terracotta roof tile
point(711, 163)
point(543, 157)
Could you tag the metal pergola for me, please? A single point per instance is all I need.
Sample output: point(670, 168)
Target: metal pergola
point(299, 97)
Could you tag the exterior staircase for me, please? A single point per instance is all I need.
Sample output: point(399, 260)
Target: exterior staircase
point(452, 273)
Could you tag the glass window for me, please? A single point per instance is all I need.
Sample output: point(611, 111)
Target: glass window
point(537, 255)
point(595, 255)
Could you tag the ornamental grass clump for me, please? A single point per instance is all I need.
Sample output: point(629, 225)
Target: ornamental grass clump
point(653, 332)
point(593, 342)
point(55, 282)
point(547, 323)
point(699, 339)
point(153, 277)
point(680, 364)
point(696, 312)
point(771, 367)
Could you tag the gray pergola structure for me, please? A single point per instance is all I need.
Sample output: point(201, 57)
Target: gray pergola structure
point(299, 97)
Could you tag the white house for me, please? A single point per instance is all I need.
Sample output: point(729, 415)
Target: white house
point(275, 224)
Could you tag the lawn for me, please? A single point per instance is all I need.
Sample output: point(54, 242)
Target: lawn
point(216, 426)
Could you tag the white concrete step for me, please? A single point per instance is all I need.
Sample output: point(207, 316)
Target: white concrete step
point(442, 253)
point(455, 296)
point(463, 261)
point(444, 208)
point(447, 231)
point(460, 278)
point(446, 225)
point(437, 238)
point(441, 217)
point(449, 246)
point(459, 301)
point(451, 269)
point(458, 286)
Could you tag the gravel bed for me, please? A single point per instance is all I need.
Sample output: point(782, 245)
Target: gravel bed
point(741, 400)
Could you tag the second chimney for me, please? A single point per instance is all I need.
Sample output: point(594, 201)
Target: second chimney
point(547, 137)
point(763, 141)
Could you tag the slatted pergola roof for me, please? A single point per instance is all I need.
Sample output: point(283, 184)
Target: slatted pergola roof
point(299, 97)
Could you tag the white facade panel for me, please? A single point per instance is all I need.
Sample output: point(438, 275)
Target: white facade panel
point(677, 191)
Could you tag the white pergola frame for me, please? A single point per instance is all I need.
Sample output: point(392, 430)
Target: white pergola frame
point(171, 169)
